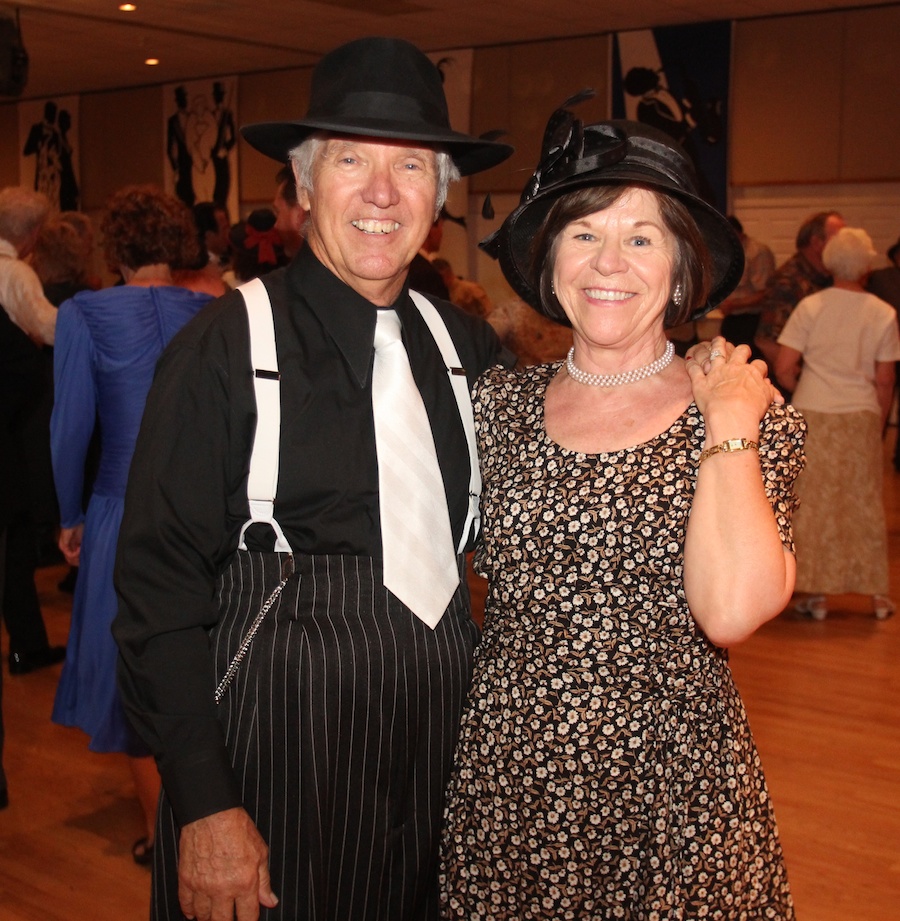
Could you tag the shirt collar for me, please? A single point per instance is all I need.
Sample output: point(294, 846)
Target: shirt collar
point(347, 317)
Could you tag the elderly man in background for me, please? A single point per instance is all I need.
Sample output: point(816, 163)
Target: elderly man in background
point(803, 274)
point(22, 212)
point(340, 657)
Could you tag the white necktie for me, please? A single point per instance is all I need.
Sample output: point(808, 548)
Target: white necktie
point(419, 557)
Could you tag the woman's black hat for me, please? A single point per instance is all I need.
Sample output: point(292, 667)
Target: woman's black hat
point(621, 153)
point(379, 88)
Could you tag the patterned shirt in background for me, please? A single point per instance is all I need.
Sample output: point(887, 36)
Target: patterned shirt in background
point(794, 280)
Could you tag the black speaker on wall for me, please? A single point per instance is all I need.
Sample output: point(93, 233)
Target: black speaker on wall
point(13, 56)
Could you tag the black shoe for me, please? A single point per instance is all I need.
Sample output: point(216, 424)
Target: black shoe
point(21, 663)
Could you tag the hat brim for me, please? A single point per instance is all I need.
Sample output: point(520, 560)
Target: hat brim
point(469, 154)
point(511, 245)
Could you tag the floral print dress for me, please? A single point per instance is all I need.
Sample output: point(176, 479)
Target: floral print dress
point(605, 767)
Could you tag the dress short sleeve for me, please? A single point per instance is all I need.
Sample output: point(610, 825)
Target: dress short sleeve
point(782, 434)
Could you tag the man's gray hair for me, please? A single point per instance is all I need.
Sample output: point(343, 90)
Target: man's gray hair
point(303, 158)
point(22, 212)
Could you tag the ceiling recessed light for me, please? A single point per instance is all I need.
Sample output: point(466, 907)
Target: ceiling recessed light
point(152, 62)
point(127, 7)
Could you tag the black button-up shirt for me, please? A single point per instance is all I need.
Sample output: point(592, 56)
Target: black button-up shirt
point(187, 490)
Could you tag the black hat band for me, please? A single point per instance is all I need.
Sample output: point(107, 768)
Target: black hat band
point(373, 105)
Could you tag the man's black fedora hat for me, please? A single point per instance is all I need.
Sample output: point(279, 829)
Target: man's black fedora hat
point(621, 153)
point(379, 88)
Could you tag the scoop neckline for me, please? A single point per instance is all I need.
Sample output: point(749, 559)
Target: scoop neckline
point(678, 421)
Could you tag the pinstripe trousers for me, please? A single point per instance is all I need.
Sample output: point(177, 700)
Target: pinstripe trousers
point(341, 725)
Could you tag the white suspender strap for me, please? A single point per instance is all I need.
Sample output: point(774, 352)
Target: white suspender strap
point(262, 483)
point(460, 384)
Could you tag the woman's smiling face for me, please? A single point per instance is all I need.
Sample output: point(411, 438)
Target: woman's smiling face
point(613, 270)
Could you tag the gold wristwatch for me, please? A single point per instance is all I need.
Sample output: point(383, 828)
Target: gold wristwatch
point(730, 446)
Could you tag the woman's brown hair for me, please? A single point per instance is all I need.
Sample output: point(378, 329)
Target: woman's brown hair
point(142, 225)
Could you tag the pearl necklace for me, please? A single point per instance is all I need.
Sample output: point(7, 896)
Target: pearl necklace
point(625, 377)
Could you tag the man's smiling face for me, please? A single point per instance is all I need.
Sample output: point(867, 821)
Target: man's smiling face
point(370, 209)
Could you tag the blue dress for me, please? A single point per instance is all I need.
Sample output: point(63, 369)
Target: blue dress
point(107, 345)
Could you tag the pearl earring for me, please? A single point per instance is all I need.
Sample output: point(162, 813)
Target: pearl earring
point(677, 295)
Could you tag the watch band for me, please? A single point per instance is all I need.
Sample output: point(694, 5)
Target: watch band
point(729, 446)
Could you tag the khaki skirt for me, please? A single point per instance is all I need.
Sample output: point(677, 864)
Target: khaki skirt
point(840, 529)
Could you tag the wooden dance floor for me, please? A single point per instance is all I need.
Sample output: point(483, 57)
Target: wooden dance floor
point(823, 700)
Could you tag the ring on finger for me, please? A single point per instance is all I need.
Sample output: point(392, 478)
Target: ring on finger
point(715, 353)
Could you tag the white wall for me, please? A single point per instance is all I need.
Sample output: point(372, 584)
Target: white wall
point(772, 214)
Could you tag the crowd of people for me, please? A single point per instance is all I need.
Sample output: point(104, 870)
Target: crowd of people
point(837, 352)
point(274, 443)
point(77, 361)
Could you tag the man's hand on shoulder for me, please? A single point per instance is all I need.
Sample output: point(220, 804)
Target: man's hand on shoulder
point(223, 871)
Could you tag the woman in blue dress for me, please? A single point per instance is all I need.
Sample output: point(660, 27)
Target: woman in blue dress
point(107, 344)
